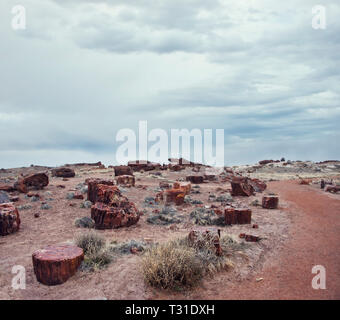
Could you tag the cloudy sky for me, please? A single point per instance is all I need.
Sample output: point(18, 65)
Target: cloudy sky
point(82, 70)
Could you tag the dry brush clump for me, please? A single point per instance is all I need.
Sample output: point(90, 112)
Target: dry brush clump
point(95, 250)
point(178, 264)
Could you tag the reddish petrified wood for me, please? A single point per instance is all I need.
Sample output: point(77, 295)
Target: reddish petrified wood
point(123, 170)
point(107, 217)
point(199, 238)
point(304, 182)
point(210, 177)
point(249, 238)
point(126, 181)
point(241, 187)
point(177, 193)
point(56, 264)
point(332, 189)
point(139, 165)
point(195, 179)
point(176, 167)
point(35, 181)
point(237, 215)
point(63, 172)
point(258, 185)
point(9, 219)
point(7, 188)
point(92, 187)
point(270, 202)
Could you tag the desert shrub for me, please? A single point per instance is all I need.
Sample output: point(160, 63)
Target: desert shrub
point(96, 253)
point(171, 266)
point(90, 242)
point(206, 217)
point(167, 215)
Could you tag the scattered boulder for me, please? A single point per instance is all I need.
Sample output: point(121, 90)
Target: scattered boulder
point(270, 202)
point(4, 198)
point(63, 172)
point(9, 219)
point(258, 185)
point(56, 264)
point(85, 222)
point(249, 238)
point(237, 215)
point(35, 181)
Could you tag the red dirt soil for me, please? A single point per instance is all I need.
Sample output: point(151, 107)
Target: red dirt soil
point(314, 240)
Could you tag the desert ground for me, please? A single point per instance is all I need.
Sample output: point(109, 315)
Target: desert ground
point(302, 232)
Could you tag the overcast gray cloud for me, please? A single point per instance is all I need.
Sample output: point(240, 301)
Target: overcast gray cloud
point(84, 69)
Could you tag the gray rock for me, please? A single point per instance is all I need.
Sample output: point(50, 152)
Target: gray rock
point(85, 222)
point(70, 196)
point(25, 207)
point(45, 206)
point(4, 197)
point(86, 205)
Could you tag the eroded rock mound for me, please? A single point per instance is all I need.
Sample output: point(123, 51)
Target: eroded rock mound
point(9, 219)
point(63, 172)
point(35, 181)
point(56, 264)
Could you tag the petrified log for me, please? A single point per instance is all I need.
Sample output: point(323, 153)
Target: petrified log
point(92, 184)
point(270, 202)
point(126, 181)
point(107, 217)
point(35, 181)
point(9, 219)
point(56, 264)
point(249, 238)
point(7, 188)
point(258, 185)
point(237, 216)
point(143, 165)
point(109, 195)
point(63, 172)
point(210, 177)
point(304, 182)
point(195, 179)
point(202, 238)
point(263, 162)
point(241, 187)
point(332, 189)
point(176, 167)
point(123, 170)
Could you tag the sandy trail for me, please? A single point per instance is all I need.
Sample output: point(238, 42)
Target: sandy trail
point(314, 240)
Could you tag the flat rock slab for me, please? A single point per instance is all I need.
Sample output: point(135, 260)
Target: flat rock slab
point(56, 264)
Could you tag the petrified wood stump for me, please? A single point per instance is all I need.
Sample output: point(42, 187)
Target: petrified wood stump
point(126, 181)
point(9, 219)
point(92, 187)
point(241, 187)
point(107, 217)
point(237, 215)
point(123, 171)
point(56, 264)
point(270, 202)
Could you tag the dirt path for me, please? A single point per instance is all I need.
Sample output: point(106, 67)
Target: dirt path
point(314, 240)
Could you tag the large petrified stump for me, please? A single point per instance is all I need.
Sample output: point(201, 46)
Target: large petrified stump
point(63, 172)
point(270, 202)
point(35, 181)
point(237, 215)
point(107, 217)
point(92, 187)
point(56, 264)
point(207, 237)
point(241, 187)
point(9, 219)
point(177, 193)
